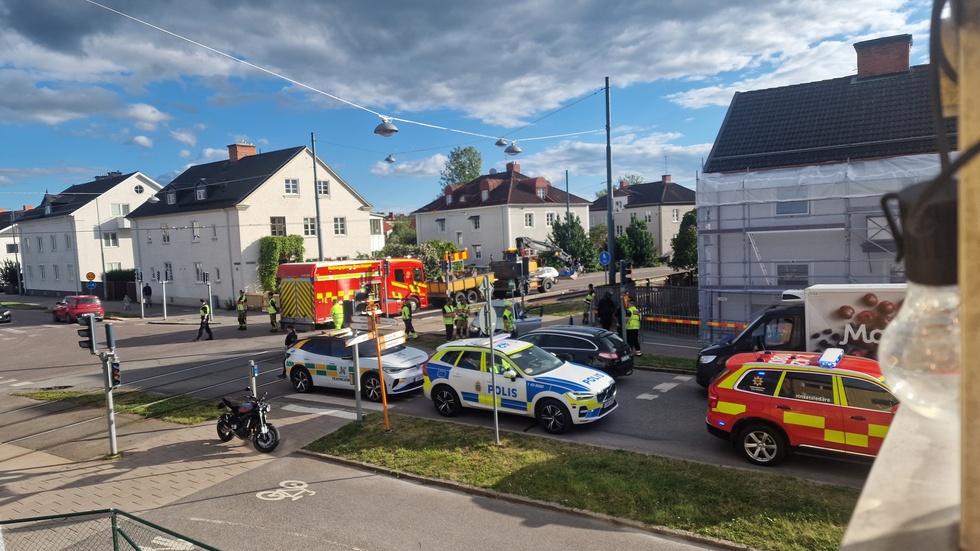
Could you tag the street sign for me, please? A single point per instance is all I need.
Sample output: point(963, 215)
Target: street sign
point(363, 337)
point(604, 258)
point(360, 325)
point(90, 285)
point(388, 322)
point(90, 276)
point(393, 336)
point(489, 318)
point(486, 287)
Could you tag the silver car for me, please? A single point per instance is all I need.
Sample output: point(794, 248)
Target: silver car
point(524, 320)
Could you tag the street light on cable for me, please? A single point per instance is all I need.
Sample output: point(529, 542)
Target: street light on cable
point(513, 149)
point(386, 129)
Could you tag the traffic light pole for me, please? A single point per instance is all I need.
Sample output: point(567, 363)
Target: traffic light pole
point(109, 360)
point(110, 367)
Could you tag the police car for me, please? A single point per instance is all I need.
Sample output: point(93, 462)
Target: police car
point(766, 407)
point(522, 378)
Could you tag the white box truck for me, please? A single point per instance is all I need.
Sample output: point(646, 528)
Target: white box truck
point(814, 319)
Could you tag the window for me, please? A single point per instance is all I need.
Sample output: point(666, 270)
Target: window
point(323, 187)
point(470, 359)
point(549, 219)
point(309, 226)
point(119, 209)
point(867, 395)
point(11, 248)
point(70, 272)
point(449, 199)
point(30, 271)
point(477, 251)
point(216, 275)
point(199, 272)
point(793, 275)
point(278, 225)
point(529, 220)
point(110, 239)
point(138, 189)
point(27, 245)
point(54, 242)
point(40, 243)
point(542, 193)
point(648, 217)
point(619, 230)
point(459, 238)
point(40, 270)
point(214, 232)
point(171, 197)
point(675, 215)
point(57, 272)
point(195, 231)
point(760, 381)
point(168, 271)
point(165, 229)
point(375, 226)
point(475, 220)
point(340, 226)
point(812, 387)
point(792, 207)
point(113, 266)
point(292, 187)
point(441, 224)
point(201, 193)
point(484, 194)
point(67, 242)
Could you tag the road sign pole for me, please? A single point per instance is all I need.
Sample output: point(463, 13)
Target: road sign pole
point(357, 384)
point(373, 320)
point(107, 358)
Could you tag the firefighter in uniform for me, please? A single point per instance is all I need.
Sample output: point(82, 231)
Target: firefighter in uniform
point(205, 327)
point(273, 310)
point(337, 313)
point(407, 318)
point(449, 318)
point(242, 306)
point(462, 318)
point(508, 316)
point(587, 310)
point(633, 326)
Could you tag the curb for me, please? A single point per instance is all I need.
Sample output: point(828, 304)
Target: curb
point(493, 494)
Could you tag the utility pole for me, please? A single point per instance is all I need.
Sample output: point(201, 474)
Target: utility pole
point(611, 230)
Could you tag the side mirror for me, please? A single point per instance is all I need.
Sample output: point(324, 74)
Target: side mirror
point(510, 374)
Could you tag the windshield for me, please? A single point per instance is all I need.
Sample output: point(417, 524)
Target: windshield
point(535, 361)
point(368, 350)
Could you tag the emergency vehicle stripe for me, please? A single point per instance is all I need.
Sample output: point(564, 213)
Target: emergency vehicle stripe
point(857, 439)
point(877, 431)
point(296, 298)
point(803, 419)
point(836, 436)
point(730, 408)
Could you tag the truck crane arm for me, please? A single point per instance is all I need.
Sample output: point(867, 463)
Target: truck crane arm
point(527, 242)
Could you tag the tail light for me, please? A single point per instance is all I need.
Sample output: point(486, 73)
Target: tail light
point(712, 398)
point(425, 367)
point(609, 356)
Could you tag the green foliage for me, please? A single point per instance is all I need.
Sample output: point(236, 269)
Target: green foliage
point(430, 257)
point(636, 244)
point(120, 275)
point(402, 234)
point(631, 179)
point(685, 244)
point(273, 251)
point(579, 246)
point(9, 271)
point(464, 164)
point(599, 236)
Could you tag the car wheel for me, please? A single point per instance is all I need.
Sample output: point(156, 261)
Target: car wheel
point(446, 401)
point(72, 319)
point(554, 417)
point(546, 286)
point(762, 444)
point(301, 379)
point(472, 296)
point(55, 316)
point(371, 387)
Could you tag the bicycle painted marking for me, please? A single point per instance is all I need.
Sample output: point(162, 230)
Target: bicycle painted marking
point(293, 489)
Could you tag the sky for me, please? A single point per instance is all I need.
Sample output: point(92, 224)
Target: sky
point(92, 86)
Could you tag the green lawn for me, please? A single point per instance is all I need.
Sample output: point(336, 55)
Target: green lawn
point(184, 410)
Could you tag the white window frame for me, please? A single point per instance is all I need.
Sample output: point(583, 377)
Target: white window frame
point(477, 251)
point(291, 186)
point(549, 219)
point(119, 209)
point(165, 230)
point(542, 193)
point(195, 231)
point(277, 224)
point(459, 238)
point(323, 187)
point(113, 266)
point(476, 222)
point(168, 271)
point(110, 239)
point(648, 217)
point(309, 226)
point(54, 242)
point(340, 225)
point(441, 225)
point(171, 198)
point(675, 215)
point(528, 219)
point(199, 272)
point(201, 193)
point(484, 194)
point(377, 228)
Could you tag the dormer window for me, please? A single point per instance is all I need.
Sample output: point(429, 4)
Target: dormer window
point(484, 194)
point(171, 198)
point(201, 193)
point(462, 199)
point(449, 199)
point(47, 210)
point(542, 193)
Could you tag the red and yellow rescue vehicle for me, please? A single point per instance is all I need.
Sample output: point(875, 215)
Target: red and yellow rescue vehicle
point(307, 289)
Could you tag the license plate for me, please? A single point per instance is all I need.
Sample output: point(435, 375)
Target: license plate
point(626, 357)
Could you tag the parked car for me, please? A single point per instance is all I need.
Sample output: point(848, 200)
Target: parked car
point(522, 378)
point(767, 409)
point(4, 314)
point(324, 361)
point(524, 320)
point(589, 346)
point(73, 306)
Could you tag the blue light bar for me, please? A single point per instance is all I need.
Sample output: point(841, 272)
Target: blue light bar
point(831, 357)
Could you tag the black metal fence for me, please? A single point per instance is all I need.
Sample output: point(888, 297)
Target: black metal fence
point(667, 310)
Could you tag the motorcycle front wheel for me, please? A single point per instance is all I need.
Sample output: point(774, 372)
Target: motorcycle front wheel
point(224, 430)
point(267, 442)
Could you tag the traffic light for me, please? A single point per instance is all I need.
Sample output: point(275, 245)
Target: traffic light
point(628, 274)
point(622, 271)
point(114, 376)
point(139, 275)
point(207, 277)
point(88, 333)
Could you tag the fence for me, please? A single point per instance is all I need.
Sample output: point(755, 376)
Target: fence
point(91, 531)
point(666, 310)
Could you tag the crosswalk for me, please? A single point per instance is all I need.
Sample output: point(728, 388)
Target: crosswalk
point(662, 388)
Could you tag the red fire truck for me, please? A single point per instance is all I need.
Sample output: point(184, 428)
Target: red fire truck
point(307, 289)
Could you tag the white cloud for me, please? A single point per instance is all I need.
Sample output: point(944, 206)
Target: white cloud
point(184, 153)
point(422, 168)
point(145, 117)
point(143, 141)
point(184, 136)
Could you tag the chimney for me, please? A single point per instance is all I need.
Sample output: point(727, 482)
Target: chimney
point(623, 183)
point(513, 166)
point(883, 56)
point(238, 151)
point(665, 178)
point(28, 207)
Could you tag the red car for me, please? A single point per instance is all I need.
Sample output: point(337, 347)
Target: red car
point(73, 306)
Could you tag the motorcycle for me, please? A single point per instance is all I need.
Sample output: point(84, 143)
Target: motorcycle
point(248, 422)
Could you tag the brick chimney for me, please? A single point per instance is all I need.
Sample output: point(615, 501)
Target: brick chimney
point(665, 178)
point(513, 166)
point(883, 56)
point(238, 151)
point(623, 183)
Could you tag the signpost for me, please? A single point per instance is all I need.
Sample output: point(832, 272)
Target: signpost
point(604, 258)
point(489, 318)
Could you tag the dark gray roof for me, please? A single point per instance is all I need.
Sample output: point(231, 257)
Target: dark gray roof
point(828, 121)
point(227, 183)
point(73, 198)
point(509, 188)
point(649, 194)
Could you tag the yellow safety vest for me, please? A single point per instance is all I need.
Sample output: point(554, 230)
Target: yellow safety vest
point(508, 320)
point(634, 320)
point(447, 314)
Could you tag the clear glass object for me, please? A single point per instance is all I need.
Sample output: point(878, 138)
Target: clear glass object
point(919, 352)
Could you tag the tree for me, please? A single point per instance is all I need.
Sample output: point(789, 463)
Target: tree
point(402, 233)
point(599, 236)
point(580, 246)
point(636, 244)
point(431, 259)
point(464, 164)
point(631, 179)
point(273, 251)
point(9, 271)
point(685, 244)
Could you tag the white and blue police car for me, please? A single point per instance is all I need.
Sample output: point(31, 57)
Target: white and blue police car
point(522, 378)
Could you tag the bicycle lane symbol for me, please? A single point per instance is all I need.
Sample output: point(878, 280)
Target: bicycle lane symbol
point(293, 489)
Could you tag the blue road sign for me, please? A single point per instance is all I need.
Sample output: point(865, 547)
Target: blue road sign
point(90, 285)
point(604, 258)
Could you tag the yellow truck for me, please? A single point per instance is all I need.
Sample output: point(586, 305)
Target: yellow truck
point(457, 287)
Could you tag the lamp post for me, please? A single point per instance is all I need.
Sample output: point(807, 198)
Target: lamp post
point(98, 218)
point(610, 233)
point(316, 201)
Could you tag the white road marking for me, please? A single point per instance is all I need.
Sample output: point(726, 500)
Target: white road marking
point(664, 387)
point(648, 396)
point(335, 401)
point(14, 331)
point(22, 383)
point(683, 378)
point(318, 411)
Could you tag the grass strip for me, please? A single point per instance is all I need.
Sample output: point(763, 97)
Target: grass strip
point(760, 510)
point(184, 410)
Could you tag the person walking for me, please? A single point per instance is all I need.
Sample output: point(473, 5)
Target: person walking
point(126, 302)
point(291, 338)
point(607, 311)
point(242, 306)
point(462, 318)
point(273, 310)
point(147, 295)
point(337, 313)
point(205, 321)
point(587, 311)
point(407, 318)
point(633, 326)
point(449, 318)
point(508, 319)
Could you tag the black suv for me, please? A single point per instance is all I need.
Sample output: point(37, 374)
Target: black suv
point(589, 346)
